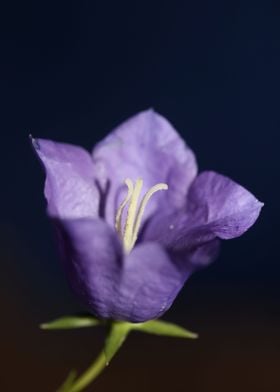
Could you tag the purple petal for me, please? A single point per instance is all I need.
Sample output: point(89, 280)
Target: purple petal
point(137, 287)
point(92, 258)
point(216, 207)
point(70, 189)
point(145, 146)
point(150, 283)
point(222, 204)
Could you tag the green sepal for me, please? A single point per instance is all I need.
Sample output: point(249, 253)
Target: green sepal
point(164, 328)
point(118, 333)
point(69, 322)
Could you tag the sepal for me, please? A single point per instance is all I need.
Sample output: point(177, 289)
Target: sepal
point(70, 322)
point(164, 328)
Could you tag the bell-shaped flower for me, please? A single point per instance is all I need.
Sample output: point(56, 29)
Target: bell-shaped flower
point(134, 220)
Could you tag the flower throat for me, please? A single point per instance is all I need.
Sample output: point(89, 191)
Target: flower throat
point(135, 214)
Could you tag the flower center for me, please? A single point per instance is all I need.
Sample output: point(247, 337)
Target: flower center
point(135, 214)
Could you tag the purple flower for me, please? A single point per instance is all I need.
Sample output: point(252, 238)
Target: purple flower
point(134, 219)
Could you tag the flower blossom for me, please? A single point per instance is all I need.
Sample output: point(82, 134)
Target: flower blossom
point(134, 219)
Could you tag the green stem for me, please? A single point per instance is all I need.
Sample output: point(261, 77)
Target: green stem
point(117, 335)
point(88, 376)
point(119, 331)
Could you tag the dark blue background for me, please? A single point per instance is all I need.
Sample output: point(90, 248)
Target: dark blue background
point(71, 71)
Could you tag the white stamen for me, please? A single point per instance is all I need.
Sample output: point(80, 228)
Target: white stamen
point(118, 222)
point(131, 213)
point(134, 216)
point(144, 202)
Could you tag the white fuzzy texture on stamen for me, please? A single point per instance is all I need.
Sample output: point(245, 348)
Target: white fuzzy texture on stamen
point(134, 215)
point(131, 216)
point(118, 224)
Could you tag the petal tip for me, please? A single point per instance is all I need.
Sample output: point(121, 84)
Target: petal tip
point(35, 143)
point(259, 206)
point(150, 112)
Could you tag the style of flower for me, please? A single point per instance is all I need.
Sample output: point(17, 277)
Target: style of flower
point(134, 220)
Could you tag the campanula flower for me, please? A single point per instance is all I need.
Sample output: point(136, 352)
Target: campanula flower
point(134, 220)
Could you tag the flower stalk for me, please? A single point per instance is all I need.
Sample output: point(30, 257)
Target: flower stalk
point(87, 377)
point(118, 332)
point(116, 337)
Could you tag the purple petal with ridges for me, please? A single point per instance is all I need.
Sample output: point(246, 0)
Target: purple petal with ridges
point(150, 283)
point(93, 259)
point(136, 287)
point(225, 206)
point(70, 187)
point(216, 207)
point(145, 146)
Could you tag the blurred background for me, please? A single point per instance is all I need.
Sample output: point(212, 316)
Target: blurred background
point(73, 70)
